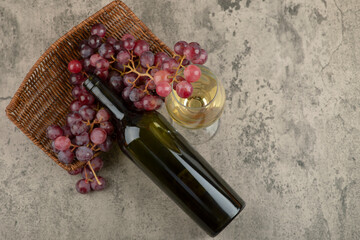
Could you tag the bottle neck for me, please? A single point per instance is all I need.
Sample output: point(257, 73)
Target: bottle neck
point(115, 104)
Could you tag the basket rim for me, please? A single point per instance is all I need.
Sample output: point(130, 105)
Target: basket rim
point(15, 99)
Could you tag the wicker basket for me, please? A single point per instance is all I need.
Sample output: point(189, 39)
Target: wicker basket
point(45, 94)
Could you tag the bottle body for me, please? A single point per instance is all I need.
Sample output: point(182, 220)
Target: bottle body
point(178, 169)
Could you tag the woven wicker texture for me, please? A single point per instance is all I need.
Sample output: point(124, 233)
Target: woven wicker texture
point(45, 94)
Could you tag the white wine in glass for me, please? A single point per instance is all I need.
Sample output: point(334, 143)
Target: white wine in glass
point(202, 109)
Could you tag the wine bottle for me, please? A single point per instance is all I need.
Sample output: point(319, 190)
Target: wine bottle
point(171, 162)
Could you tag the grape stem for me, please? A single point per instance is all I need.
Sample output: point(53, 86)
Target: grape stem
point(91, 168)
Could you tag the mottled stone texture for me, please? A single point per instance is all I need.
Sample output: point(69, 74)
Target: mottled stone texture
point(288, 142)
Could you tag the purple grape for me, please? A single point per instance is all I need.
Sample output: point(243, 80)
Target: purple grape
point(75, 106)
point(108, 127)
point(96, 163)
point(83, 186)
point(98, 29)
point(126, 36)
point(129, 79)
point(53, 147)
point(147, 59)
point(102, 65)
point(94, 41)
point(136, 94)
point(106, 50)
point(75, 172)
point(202, 58)
point(116, 83)
point(87, 173)
point(94, 58)
point(106, 146)
point(67, 131)
point(54, 131)
point(98, 136)
point(139, 105)
point(72, 118)
point(179, 47)
point(77, 90)
point(170, 65)
point(86, 99)
point(118, 45)
point(140, 47)
point(82, 139)
point(129, 43)
point(82, 44)
point(110, 40)
point(160, 57)
point(76, 78)
point(102, 115)
point(123, 57)
point(78, 128)
point(87, 113)
point(66, 156)
point(103, 75)
point(118, 66)
point(125, 93)
point(96, 186)
point(84, 153)
point(86, 51)
point(86, 64)
point(151, 85)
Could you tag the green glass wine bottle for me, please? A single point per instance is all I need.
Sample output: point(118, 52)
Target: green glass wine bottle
point(171, 162)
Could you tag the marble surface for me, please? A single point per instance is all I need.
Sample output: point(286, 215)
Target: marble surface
point(289, 140)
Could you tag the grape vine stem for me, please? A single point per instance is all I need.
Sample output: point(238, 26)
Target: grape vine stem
point(91, 168)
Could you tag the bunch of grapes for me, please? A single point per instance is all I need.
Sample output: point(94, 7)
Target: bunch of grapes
point(143, 79)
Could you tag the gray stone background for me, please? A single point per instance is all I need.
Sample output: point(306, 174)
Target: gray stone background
point(289, 143)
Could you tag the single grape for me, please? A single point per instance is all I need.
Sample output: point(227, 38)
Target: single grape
point(113, 73)
point(75, 66)
point(106, 146)
point(82, 139)
point(163, 89)
point(158, 102)
point(86, 173)
point(86, 65)
point(86, 51)
point(87, 113)
point(202, 58)
point(82, 44)
point(96, 163)
point(98, 135)
point(191, 53)
point(67, 131)
point(83, 186)
point(179, 47)
point(75, 106)
point(150, 84)
point(185, 62)
point(75, 172)
point(98, 29)
point(62, 143)
point(129, 79)
point(110, 40)
point(123, 57)
point(102, 115)
point(94, 58)
point(184, 89)
point(129, 44)
point(94, 41)
point(139, 105)
point(125, 93)
point(126, 36)
point(102, 65)
point(118, 45)
point(96, 186)
point(136, 94)
point(73, 118)
point(54, 131)
point(149, 102)
point(103, 75)
point(86, 98)
point(140, 47)
point(160, 57)
point(66, 156)
point(118, 66)
point(76, 78)
point(170, 65)
point(197, 50)
point(147, 59)
point(106, 50)
point(161, 76)
point(179, 79)
point(78, 128)
point(84, 153)
point(192, 73)
point(108, 127)
point(116, 83)
point(77, 90)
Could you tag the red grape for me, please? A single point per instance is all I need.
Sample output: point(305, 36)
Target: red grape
point(87, 113)
point(83, 186)
point(77, 91)
point(73, 118)
point(62, 143)
point(102, 65)
point(191, 53)
point(136, 94)
point(158, 102)
point(185, 62)
point(111, 40)
point(102, 115)
point(125, 93)
point(140, 47)
point(103, 75)
point(75, 106)
point(67, 131)
point(86, 51)
point(129, 44)
point(106, 50)
point(184, 89)
point(163, 89)
point(76, 79)
point(161, 75)
point(75, 66)
point(75, 172)
point(150, 84)
point(170, 65)
point(98, 135)
point(126, 36)
point(108, 127)
point(179, 47)
point(129, 79)
point(118, 45)
point(96, 186)
point(94, 58)
point(98, 29)
point(106, 146)
point(94, 41)
point(84, 153)
point(192, 73)
point(66, 156)
point(86, 98)
point(153, 71)
point(202, 58)
point(96, 163)
point(160, 57)
point(147, 59)
point(123, 57)
point(86, 64)
point(78, 128)
point(149, 102)
point(139, 105)
point(54, 131)
point(82, 139)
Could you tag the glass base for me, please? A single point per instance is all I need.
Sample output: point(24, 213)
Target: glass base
point(197, 136)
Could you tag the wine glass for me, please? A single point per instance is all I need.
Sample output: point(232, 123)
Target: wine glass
point(197, 117)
